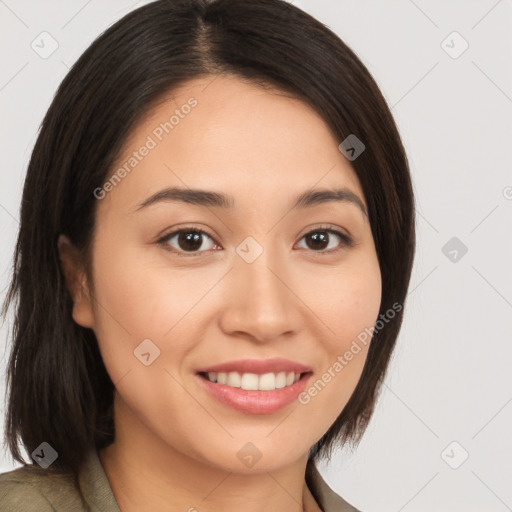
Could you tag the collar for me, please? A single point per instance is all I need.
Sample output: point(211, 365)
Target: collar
point(326, 498)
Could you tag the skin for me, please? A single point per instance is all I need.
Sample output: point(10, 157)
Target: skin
point(176, 445)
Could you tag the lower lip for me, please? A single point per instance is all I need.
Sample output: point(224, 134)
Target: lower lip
point(256, 402)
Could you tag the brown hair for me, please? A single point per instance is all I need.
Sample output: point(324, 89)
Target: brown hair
point(59, 389)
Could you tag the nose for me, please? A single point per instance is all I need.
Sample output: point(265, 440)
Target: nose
point(260, 303)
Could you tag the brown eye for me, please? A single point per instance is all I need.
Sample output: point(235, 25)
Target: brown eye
point(325, 240)
point(188, 240)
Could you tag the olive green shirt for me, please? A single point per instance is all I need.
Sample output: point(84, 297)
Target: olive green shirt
point(33, 489)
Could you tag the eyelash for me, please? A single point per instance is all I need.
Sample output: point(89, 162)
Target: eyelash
point(346, 240)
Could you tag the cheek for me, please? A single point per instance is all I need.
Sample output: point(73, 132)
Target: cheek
point(136, 292)
point(349, 310)
point(130, 305)
point(347, 300)
point(139, 297)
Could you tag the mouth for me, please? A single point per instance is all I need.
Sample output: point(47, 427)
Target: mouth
point(253, 381)
point(255, 386)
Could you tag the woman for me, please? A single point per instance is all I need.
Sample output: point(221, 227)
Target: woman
point(216, 240)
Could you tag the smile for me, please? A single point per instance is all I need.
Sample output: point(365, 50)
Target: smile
point(252, 393)
point(253, 381)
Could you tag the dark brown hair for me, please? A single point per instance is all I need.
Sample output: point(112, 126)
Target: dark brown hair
point(59, 389)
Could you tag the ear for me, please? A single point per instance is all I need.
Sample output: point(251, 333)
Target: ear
point(76, 282)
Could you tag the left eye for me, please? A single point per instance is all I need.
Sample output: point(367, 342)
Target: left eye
point(322, 240)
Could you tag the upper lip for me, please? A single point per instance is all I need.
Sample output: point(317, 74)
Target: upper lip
point(257, 366)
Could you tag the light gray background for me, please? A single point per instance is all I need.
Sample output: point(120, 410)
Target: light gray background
point(450, 379)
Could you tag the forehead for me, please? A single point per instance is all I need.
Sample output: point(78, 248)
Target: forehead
point(232, 135)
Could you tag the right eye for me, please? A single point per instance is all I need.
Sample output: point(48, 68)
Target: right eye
point(187, 240)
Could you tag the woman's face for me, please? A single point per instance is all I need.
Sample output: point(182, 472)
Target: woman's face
point(254, 277)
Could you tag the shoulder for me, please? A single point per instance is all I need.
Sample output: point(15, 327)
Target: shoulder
point(329, 500)
point(33, 489)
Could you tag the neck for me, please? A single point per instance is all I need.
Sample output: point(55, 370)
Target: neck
point(150, 475)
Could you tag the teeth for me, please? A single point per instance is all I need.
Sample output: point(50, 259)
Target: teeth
point(249, 381)
point(253, 381)
point(234, 380)
point(281, 380)
point(267, 382)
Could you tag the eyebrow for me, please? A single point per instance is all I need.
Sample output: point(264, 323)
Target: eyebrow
point(215, 199)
